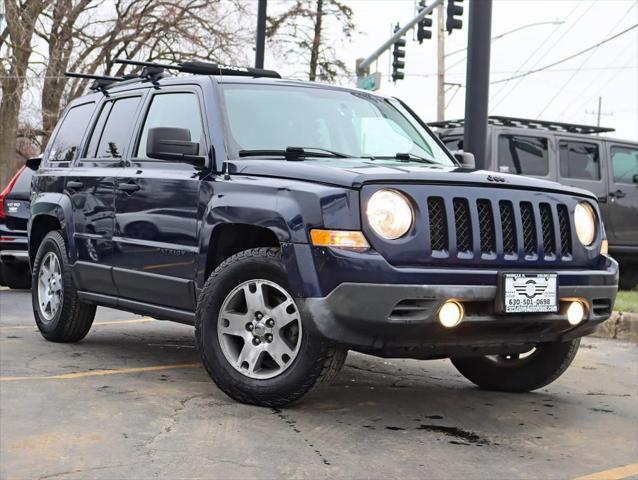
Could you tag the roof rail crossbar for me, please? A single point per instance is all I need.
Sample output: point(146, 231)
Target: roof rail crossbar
point(205, 68)
point(100, 82)
point(528, 123)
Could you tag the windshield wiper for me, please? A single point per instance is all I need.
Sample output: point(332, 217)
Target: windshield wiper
point(295, 153)
point(406, 157)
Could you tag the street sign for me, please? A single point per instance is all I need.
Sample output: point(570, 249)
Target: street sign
point(370, 82)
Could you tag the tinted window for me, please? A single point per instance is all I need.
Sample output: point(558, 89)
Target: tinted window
point(176, 110)
point(523, 155)
point(117, 118)
point(67, 140)
point(579, 160)
point(624, 162)
point(22, 188)
point(453, 143)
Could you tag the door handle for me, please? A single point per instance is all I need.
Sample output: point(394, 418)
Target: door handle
point(74, 185)
point(619, 193)
point(128, 187)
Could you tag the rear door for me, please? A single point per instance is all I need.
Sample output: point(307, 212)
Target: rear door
point(623, 194)
point(157, 208)
point(91, 186)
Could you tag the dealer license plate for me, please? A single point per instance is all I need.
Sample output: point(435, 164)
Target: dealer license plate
point(530, 293)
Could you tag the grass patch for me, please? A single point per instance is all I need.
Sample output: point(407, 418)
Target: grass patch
point(627, 301)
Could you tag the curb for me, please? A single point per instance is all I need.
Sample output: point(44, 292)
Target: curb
point(620, 326)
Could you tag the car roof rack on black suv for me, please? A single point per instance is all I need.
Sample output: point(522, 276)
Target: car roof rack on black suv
point(528, 123)
point(155, 71)
point(100, 82)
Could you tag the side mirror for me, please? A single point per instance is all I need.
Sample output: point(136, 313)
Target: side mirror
point(466, 159)
point(164, 143)
point(34, 163)
point(635, 179)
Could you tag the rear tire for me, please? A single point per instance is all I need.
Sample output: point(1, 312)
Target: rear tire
point(16, 276)
point(502, 374)
point(59, 315)
point(287, 360)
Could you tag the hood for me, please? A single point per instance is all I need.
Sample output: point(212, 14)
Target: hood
point(354, 173)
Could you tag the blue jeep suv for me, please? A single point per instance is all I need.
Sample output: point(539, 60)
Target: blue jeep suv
point(290, 222)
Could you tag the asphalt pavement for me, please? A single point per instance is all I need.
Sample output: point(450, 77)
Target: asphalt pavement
point(132, 401)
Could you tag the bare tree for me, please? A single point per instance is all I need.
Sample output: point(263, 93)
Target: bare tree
point(301, 34)
point(86, 36)
point(150, 30)
point(15, 52)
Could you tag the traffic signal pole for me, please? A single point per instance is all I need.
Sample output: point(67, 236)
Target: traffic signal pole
point(363, 66)
point(478, 80)
point(260, 43)
point(440, 51)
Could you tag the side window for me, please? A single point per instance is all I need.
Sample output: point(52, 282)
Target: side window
point(523, 155)
point(176, 110)
point(453, 143)
point(624, 162)
point(579, 160)
point(112, 131)
point(69, 136)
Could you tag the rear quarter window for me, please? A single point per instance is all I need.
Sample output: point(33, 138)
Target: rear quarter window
point(66, 144)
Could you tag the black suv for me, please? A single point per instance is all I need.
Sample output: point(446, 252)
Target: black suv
point(292, 221)
point(14, 215)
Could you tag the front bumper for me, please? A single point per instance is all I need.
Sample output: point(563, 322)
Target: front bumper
point(400, 319)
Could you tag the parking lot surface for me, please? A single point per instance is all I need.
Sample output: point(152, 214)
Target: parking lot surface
point(132, 401)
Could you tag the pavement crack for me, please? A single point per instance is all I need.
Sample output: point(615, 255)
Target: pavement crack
point(85, 470)
point(293, 425)
point(171, 419)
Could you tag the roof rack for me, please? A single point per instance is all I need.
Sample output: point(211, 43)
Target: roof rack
point(528, 123)
point(203, 68)
point(100, 82)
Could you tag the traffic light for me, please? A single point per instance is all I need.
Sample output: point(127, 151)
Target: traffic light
point(398, 53)
point(454, 10)
point(423, 31)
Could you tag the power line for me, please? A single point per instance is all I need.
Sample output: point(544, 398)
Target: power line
point(530, 72)
point(560, 90)
point(531, 56)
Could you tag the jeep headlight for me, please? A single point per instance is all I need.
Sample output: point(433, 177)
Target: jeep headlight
point(390, 214)
point(585, 223)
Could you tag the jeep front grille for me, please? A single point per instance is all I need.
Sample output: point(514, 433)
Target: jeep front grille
point(463, 225)
point(508, 227)
point(525, 229)
point(438, 224)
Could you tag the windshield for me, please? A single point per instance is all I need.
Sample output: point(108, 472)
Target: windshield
point(354, 124)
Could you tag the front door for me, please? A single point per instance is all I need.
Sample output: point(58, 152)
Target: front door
point(157, 209)
point(623, 195)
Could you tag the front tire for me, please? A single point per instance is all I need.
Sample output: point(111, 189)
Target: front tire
point(59, 315)
point(513, 373)
point(253, 341)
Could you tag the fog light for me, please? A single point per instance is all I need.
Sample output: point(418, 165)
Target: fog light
point(575, 313)
point(451, 314)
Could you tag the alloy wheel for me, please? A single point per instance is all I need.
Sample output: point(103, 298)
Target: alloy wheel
point(259, 329)
point(49, 287)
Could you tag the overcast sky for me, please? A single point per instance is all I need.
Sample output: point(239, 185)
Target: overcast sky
point(568, 92)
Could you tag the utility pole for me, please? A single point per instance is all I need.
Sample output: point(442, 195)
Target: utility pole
point(478, 81)
point(600, 103)
point(260, 43)
point(440, 86)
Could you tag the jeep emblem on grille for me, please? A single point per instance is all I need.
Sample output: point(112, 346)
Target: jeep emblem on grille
point(495, 178)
